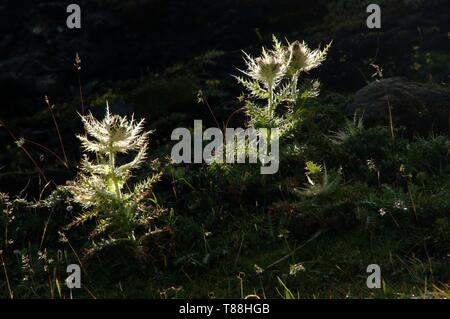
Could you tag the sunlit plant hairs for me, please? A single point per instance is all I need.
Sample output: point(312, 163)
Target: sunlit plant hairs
point(100, 187)
point(273, 78)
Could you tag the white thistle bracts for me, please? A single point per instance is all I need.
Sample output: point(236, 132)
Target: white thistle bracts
point(102, 181)
point(302, 59)
point(114, 134)
point(267, 69)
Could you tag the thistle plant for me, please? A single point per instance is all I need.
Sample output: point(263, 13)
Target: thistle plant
point(274, 78)
point(100, 186)
point(319, 182)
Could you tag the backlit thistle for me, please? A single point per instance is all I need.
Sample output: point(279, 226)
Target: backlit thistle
point(112, 136)
point(102, 188)
point(302, 59)
point(268, 69)
point(273, 77)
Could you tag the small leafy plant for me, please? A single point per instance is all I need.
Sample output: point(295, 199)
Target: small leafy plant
point(319, 182)
point(101, 187)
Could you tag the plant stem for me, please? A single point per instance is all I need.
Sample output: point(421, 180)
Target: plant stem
point(81, 92)
point(11, 295)
point(412, 199)
point(391, 122)
point(57, 131)
point(48, 150)
point(242, 287)
point(205, 100)
point(270, 100)
point(294, 84)
point(112, 165)
point(24, 150)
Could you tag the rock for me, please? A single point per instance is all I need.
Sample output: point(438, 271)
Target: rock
point(419, 108)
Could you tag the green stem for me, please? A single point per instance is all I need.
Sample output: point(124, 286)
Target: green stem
point(270, 101)
point(113, 175)
point(294, 84)
point(391, 122)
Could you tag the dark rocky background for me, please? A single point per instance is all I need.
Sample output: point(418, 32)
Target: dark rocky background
point(149, 56)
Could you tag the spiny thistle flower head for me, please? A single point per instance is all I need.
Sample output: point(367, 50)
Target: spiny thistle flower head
point(302, 58)
point(114, 134)
point(268, 69)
